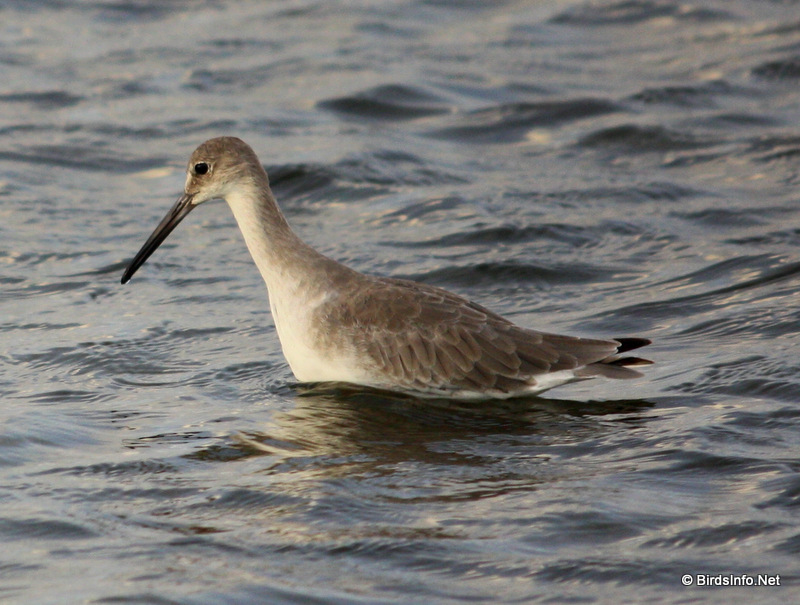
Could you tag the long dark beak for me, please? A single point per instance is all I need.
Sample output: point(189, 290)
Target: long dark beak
point(176, 214)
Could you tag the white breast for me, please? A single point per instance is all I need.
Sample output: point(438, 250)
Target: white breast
point(310, 359)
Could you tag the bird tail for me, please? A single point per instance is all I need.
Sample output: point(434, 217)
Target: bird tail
point(615, 366)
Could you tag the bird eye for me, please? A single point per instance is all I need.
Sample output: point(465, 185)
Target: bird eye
point(201, 168)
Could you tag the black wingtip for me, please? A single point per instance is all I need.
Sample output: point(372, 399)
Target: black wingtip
point(630, 362)
point(629, 344)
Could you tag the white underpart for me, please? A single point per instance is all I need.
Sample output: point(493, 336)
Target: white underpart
point(548, 381)
point(308, 362)
point(544, 382)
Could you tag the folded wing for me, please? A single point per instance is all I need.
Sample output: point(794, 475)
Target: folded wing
point(425, 338)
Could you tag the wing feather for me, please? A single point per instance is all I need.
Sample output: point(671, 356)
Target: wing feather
point(424, 337)
point(422, 349)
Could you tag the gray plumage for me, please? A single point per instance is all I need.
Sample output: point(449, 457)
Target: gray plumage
point(336, 324)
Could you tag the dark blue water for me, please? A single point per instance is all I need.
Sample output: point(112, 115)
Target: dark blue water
point(596, 168)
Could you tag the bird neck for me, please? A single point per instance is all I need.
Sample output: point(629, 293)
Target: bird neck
point(278, 252)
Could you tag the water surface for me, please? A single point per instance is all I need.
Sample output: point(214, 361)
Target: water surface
point(597, 168)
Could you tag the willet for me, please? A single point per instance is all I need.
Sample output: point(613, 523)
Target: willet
point(336, 324)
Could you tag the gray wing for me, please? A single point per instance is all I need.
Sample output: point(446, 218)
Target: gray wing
point(424, 337)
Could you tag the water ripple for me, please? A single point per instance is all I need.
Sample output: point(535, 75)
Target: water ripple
point(389, 102)
point(597, 168)
point(634, 138)
point(631, 12)
point(782, 69)
point(511, 122)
